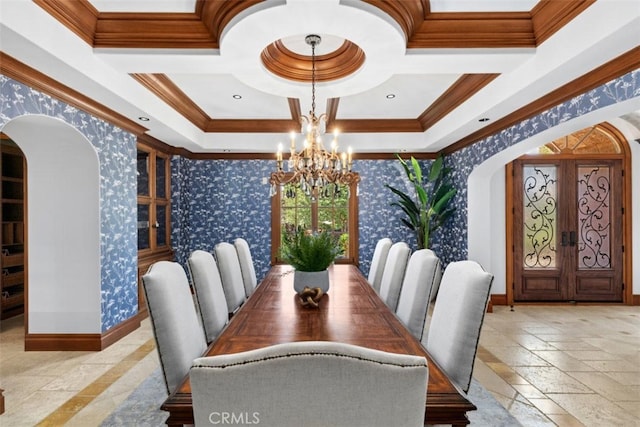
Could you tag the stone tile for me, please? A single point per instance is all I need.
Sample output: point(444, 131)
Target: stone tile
point(562, 361)
point(551, 380)
point(613, 366)
point(606, 386)
point(593, 410)
point(547, 406)
point(518, 356)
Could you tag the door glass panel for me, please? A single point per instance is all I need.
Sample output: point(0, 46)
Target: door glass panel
point(161, 230)
point(594, 225)
point(143, 173)
point(143, 227)
point(161, 178)
point(540, 216)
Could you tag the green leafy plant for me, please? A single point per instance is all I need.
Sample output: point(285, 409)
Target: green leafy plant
point(428, 208)
point(309, 251)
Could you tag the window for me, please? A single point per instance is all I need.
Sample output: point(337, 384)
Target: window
point(153, 200)
point(292, 209)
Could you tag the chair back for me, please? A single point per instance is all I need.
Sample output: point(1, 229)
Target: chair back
point(212, 304)
point(393, 275)
point(378, 260)
point(246, 265)
point(458, 314)
point(422, 274)
point(312, 383)
point(177, 331)
point(230, 274)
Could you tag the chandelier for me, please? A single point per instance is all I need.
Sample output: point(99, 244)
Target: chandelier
point(316, 171)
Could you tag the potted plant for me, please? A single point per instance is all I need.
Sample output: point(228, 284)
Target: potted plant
point(310, 254)
point(428, 208)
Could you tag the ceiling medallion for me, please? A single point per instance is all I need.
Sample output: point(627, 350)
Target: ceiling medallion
point(342, 62)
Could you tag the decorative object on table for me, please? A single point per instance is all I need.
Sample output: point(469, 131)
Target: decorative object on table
point(429, 207)
point(310, 296)
point(318, 172)
point(310, 254)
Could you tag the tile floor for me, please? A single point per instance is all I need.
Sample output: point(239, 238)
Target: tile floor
point(548, 365)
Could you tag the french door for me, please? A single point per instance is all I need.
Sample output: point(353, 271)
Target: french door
point(567, 230)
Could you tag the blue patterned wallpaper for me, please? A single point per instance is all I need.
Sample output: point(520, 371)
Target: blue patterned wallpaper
point(453, 239)
point(116, 150)
point(219, 200)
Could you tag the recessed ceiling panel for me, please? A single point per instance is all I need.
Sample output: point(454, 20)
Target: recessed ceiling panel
point(403, 96)
point(482, 5)
point(222, 96)
point(181, 6)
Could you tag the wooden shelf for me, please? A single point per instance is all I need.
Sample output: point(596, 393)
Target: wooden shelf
point(12, 202)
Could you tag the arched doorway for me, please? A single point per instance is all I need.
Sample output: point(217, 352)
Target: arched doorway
point(565, 215)
point(63, 290)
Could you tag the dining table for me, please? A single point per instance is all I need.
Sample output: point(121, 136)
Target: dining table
point(350, 312)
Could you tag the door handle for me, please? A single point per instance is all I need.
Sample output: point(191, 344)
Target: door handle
point(572, 238)
point(564, 238)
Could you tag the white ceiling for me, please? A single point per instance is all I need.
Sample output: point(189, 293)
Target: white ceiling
point(417, 77)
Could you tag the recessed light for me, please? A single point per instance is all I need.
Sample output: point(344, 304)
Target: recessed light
point(391, 96)
point(143, 119)
point(483, 119)
point(236, 96)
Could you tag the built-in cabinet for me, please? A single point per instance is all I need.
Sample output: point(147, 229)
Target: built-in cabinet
point(13, 226)
point(154, 211)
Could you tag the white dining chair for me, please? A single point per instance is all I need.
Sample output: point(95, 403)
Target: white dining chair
point(207, 286)
point(423, 273)
point(456, 322)
point(231, 275)
point(312, 383)
point(393, 275)
point(178, 334)
point(378, 260)
point(246, 265)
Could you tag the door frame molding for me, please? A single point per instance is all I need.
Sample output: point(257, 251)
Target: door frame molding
point(627, 261)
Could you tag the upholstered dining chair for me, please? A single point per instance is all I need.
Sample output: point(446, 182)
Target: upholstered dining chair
point(458, 314)
point(422, 275)
point(178, 334)
point(312, 383)
point(246, 265)
point(393, 275)
point(378, 260)
point(230, 274)
point(207, 286)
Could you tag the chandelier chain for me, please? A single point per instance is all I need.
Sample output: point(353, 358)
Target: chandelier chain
point(313, 78)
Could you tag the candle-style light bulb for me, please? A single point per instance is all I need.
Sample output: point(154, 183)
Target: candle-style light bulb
point(279, 155)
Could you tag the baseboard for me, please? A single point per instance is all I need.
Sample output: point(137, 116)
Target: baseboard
point(80, 342)
point(498, 299)
point(635, 300)
point(1, 402)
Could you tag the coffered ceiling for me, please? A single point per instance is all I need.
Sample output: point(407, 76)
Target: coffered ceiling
point(414, 75)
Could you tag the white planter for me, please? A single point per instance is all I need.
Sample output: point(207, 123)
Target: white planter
point(312, 279)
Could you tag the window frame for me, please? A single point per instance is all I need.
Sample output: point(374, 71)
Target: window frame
point(276, 226)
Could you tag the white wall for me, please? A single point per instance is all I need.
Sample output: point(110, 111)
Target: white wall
point(63, 226)
point(486, 192)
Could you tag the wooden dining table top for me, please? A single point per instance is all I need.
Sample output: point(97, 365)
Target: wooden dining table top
point(351, 312)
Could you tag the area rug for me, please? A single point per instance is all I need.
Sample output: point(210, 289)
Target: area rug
point(142, 407)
